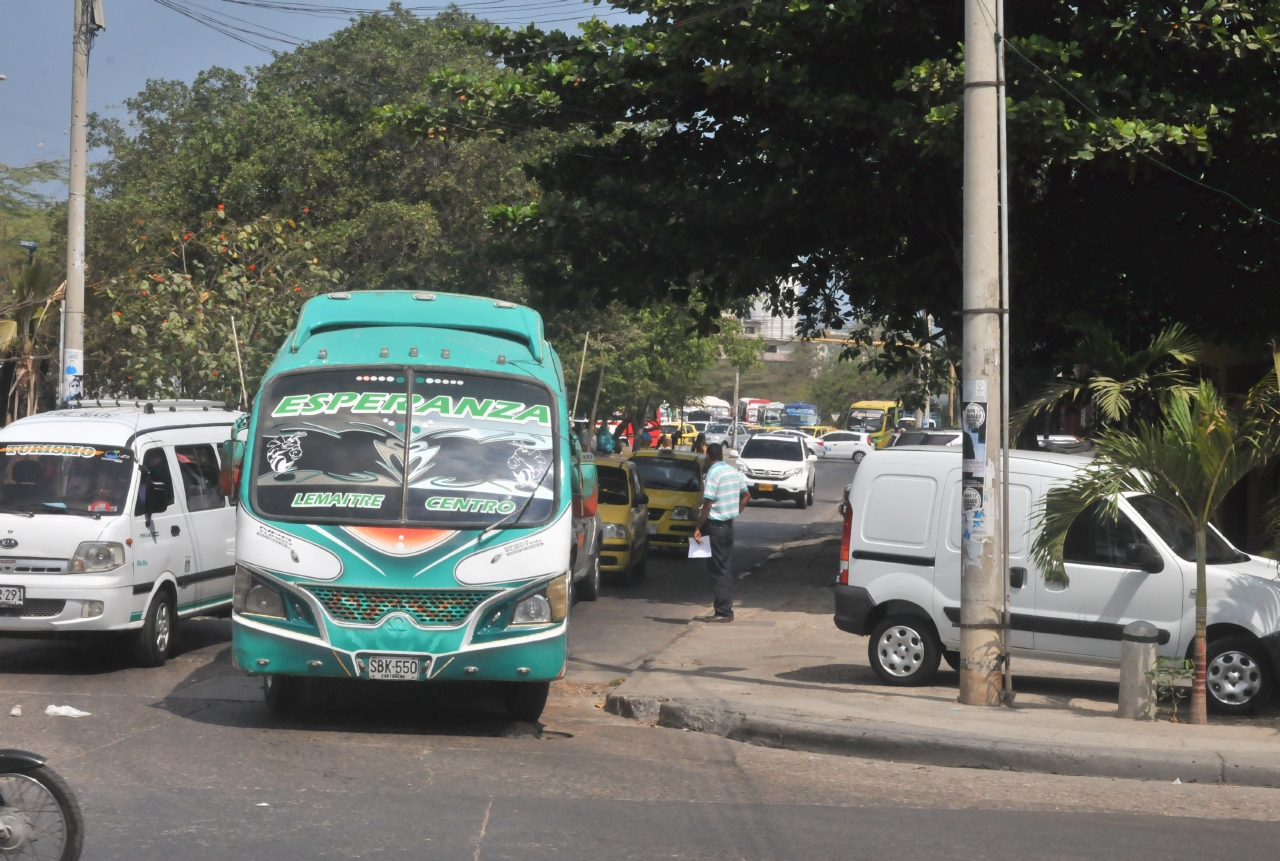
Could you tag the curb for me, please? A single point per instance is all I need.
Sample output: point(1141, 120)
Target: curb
point(892, 742)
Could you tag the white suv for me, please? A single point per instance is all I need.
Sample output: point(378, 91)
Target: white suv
point(900, 578)
point(778, 466)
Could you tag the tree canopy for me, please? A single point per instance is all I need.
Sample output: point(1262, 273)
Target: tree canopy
point(735, 147)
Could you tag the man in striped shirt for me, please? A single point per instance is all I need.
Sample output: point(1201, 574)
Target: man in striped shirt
point(724, 494)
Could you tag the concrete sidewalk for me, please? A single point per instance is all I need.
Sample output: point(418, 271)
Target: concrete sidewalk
point(782, 675)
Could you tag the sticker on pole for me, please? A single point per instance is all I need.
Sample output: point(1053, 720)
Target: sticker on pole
point(73, 375)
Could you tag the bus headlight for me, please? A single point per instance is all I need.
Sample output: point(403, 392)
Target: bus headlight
point(534, 610)
point(254, 596)
point(95, 557)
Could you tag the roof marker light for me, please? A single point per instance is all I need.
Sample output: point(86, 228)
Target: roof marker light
point(384, 353)
point(504, 304)
point(425, 297)
point(413, 352)
point(323, 354)
point(339, 295)
point(444, 354)
point(502, 360)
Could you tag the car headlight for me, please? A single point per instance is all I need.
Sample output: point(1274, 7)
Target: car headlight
point(95, 557)
point(745, 471)
point(796, 471)
point(682, 512)
point(614, 531)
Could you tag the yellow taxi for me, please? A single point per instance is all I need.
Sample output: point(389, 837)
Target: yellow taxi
point(672, 481)
point(624, 519)
point(681, 434)
point(816, 431)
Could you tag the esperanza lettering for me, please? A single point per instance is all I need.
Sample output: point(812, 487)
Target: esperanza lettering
point(470, 504)
point(338, 500)
point(389, 403)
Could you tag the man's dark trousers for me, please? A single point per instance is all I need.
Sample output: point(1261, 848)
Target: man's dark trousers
point(720, 564)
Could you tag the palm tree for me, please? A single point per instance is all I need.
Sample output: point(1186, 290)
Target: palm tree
point(1117, 381)
point(1191, 459)
point(32, 296)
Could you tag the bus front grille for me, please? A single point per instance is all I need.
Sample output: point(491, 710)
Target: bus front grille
point(425, 606)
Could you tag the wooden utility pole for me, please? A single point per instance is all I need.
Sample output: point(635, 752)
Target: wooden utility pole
point(981, 577)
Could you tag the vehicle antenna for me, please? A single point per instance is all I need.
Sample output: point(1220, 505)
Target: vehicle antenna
point(235, 339)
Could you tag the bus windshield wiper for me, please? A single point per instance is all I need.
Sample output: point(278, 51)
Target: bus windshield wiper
point(515, 515)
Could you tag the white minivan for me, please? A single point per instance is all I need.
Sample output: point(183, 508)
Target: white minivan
point(112, 519)
point(899, 581)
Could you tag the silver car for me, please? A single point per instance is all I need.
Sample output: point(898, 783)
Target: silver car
point(723, 433)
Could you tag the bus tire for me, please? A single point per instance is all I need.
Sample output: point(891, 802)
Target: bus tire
point(284, 694)
point(153, 642)
point(526, 700)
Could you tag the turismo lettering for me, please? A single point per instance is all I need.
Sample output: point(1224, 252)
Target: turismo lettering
point(338, 500)
point(57, 450)
point(470, 504)
point(386, 403)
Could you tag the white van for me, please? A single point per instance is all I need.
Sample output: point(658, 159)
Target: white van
point(112, 519)
point(899, 581)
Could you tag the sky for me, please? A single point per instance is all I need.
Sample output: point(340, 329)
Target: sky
point(150, 39)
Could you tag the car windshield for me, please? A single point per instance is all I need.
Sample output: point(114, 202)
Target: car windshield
point(71, 478)
point(866, 420)
point(1174, 530)
point(391, 444)
point(762, 448)
point(613, 485)
point(940, 438)
point(669, 473)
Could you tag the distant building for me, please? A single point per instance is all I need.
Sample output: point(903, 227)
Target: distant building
point(779, 334)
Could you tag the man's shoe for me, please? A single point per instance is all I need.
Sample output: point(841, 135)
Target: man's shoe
point(718, 618)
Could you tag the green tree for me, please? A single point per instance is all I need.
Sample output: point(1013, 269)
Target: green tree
point(290, 140)
point(813, 151)
point(200, 304)
point(1117, 381)
point(1191, 459)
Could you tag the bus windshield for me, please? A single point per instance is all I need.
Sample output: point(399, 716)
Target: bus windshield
point(396, 445)
point(669, 473)
point(65, 478)
point(865, 420)
point(799, 415)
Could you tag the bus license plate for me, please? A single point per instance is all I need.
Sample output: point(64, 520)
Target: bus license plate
point(393, 668)
point(765, 487)
point(12, 596)
point(653, 528)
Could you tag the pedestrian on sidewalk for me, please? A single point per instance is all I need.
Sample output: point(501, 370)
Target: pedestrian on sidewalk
point(724, 495)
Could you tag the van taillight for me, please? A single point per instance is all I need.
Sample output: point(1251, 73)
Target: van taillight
point(844, 540)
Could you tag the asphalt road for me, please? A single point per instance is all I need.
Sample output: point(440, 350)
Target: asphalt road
point(185, 763)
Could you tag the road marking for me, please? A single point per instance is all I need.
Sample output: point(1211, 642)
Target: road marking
point(484, 825)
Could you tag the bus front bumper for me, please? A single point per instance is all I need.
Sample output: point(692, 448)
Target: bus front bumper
point(261, 649)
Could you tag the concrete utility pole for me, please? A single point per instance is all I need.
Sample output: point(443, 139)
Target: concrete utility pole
point(88, 21)
point(981, 577)
point(733, 412)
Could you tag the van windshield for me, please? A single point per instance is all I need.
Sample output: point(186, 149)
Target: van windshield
point(1174, 530)
point(669, 473)
point(389, 444)
point(66, 478)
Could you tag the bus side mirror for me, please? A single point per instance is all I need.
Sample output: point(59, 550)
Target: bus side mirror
point(232, 467)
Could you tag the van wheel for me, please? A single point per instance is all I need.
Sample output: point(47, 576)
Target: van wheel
point(1238, 675)
point(284, 694)
point(588, 589)
point(903, 651)
point(858, 456)
point(526, 700)
point(154, 641)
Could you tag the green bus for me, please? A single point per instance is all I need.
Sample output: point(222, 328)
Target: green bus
point(412, 505)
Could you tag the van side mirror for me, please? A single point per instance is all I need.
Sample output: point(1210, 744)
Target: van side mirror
point(154, 496)
point(1145, 557)
point(642, 499)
